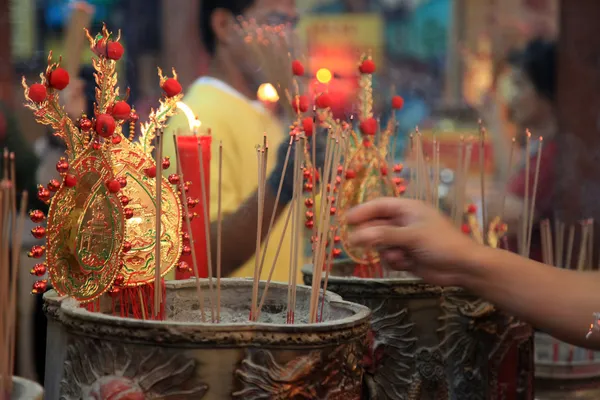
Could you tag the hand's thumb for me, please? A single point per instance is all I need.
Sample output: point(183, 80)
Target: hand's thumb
point(382, 236)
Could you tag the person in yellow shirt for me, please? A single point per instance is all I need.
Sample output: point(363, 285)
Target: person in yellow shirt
point(225, 102)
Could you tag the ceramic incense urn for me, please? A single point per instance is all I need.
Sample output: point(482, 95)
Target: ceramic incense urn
point(96, 355)
point(436, 343)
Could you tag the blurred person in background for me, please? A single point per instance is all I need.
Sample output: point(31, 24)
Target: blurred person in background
point(225, 101)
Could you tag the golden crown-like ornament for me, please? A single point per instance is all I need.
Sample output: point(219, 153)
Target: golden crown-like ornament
point(101, 223)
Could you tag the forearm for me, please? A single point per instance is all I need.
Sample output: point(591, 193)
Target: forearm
point(557, 301)
point(239, 232)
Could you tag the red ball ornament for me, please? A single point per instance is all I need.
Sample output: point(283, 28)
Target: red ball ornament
point(133, 116)
point(121, 110)
point(182, 266)
point(309, 215)
point(39, 287)
point(37, 251)
point(350, 174)
point(128, 213)
point(323, 101)
point(126, 247)
point(113, 186)
point(309, 224)
point(309, 203)
point(171, 87)
point(59, 78)
point(308, 187)
point(384, 170)
point(85, 124)
point(465, 228)
point(96, 145)
point(36, 216)
point(150, 171)
point(368, 126)
point(397, 102)
point(366, 142)
point(119, 280)
point(100, 47)
point(38, 92)
point(38, 270)
point(174, 179)
point(332, 211)
point(306, 174)
point(297, 68)
point(185, 236)
point(398, 168)
point(340, 169)
point(62, 165)
point(186, 250)
point(43, 194)
point(398, 181)
point(472, 209)
point(70, 180)
point(191, 203)
point(300, 104)
point(105, 125)
point(114, 50)
point(166, 163)
point(122, 181)
point(116, 139)
point(337, 239)
point(308, 126)
point(336, 252)
point(53, 185)
point(124, 200)
point(38, 232)
point(367, 67)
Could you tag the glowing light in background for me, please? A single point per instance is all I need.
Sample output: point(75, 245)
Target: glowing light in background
point(324, 75)
point(267, 93)
point(193, 121)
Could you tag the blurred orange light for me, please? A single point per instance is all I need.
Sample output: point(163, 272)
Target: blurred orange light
point(267, 93)
point(324, 75)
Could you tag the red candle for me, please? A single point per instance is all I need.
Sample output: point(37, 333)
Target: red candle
point(190, 169)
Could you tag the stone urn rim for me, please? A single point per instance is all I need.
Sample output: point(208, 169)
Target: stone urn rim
point(30, 390)
point(97, 324)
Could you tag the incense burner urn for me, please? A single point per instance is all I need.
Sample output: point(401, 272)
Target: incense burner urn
point(101, 356)
point(24, 389)
point(436, 343)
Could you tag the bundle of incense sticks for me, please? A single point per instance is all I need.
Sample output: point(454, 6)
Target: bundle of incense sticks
point(578, 255)
point(11, 234)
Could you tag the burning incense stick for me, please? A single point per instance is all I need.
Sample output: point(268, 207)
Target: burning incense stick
point(260, 193)
point(219, 230)
point(534, 194)
point(482, 172)
point(158, 230)
point(524, 218)
point(190, 232)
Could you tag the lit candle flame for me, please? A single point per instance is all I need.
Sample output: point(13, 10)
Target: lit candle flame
point(193, 121)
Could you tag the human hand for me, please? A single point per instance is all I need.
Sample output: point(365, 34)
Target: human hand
point(411, 236)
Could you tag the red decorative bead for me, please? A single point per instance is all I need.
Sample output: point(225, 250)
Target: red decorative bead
point(338, 180)
point(105, 125)
point(398, 181)
point(336, 252)
point(37, 251)
point(39, 287)
point(398, 168)
point(38, 270)
point(309, 215)
point(62, 165)
point(121, 110)
point(150, 171)
point(340, 169)
point(323, 101)
point(465, 228)
point(100, 47)
point(114, 292)
point(36, 216)
point(368, 126)
point(43, 194)
point(306, 174)
point(166, 163)
point(171, 87)
point(332, 211)
point(472, 209)
point(70, 180)
point(297, 68)
point(128, 213)
point(309, 224)
point(309, 203)
point(401, 189)
point(350, 174)
point(397, 102)
point(332, 199)
point(113, 185)
point(116, 139)
point(186, 186)
point(300, 103)
point(367, 67)
point(38, 232)
point(174, 179)
point(336, 239)
point(119, 280)
point(191, 203)
point(38, 92)
point(133, 116)
point(185, 236)
point(308, 187)
point(384, 170)
point(96, 145)
point(124, 200)
point(53, 185)
point(114, 50)
point(182, 266)
point(366, 142)
point(126, 247)
point(186, 250)
point(59, 78)
point(308, 126)
point(122, 181)
point(85, 124)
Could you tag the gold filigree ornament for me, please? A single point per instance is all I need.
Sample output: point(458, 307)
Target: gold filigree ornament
point(101, 220)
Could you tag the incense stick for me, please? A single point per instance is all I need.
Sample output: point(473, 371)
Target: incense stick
point(482, 174)
point(219, 230)
point(260, 191)
point(581, 260)
point(507, 179)
point(570, 246)
point(534, 193)
point(524, 219)
point(158, 230)
point(190, 232)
